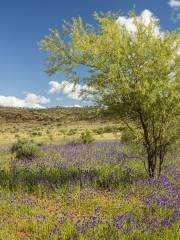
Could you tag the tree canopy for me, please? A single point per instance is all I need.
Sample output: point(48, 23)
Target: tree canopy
point(133, 72)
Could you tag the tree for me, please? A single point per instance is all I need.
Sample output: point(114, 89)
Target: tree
point(134, 73)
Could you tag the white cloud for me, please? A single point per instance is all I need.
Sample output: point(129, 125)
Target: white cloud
point(69, 89)
point(128, 23)
point(76, 106)
point(55, 87)
point(146, 17)
point(34, 99)
point(174, 3)
point(31, 100)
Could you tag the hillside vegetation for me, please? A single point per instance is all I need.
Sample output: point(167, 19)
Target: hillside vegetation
point(54, 124)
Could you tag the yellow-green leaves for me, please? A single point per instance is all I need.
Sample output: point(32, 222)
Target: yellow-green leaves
point(134, 73)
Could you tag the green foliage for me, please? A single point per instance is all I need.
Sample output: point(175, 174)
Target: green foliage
point(36, 133)
point(87, 137)
point(63, 131)
point(24, 149)
point(127, 136)
point(71, 132)
point(133, 75)
point(57, 198)
point(99, 131)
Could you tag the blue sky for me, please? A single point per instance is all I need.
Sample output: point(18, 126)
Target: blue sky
point(24, 23)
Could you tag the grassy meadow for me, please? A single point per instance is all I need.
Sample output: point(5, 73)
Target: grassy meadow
point(76, 191)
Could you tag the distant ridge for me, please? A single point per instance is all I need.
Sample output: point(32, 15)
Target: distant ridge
point(55, 114)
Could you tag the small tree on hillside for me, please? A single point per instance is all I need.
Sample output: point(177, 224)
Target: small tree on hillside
point(133, 72)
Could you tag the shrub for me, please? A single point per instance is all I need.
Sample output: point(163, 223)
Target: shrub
point(108, 129)
point(111, 129)
point(87, 137)
point(16, 135)
point(50, 137)
point(99, 131)
point(63, 131)
point(25, 149)
point(127, 136)
point(71, 132)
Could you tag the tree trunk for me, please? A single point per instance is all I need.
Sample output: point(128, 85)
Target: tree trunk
point(155, 147)
point(162, 153)
point(155, 155)
point(151, 163)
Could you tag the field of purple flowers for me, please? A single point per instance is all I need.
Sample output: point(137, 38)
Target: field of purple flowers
point(94, 191)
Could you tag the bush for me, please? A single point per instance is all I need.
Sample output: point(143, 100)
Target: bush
point(24, 149)
point(127, 136)
point(109, 129)
point(99, 131)
point(87, 137)
point(71, 132)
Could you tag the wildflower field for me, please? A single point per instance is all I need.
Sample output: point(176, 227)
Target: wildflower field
point(90, 120)
point(93, 191)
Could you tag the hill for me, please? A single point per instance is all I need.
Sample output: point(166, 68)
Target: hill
point(53, 124)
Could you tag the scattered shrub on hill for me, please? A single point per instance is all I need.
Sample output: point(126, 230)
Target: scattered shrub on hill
point(16, 136)
point(48, 132)
point(99, 131)
point(24, 149)
point(109, 129)
point(87, 137)
point(64, 132)
point(71, 132)
point(36, 133)
point(50, 137)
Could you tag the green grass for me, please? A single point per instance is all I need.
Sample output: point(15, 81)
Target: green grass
point(74, 193)
point(46, 203)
